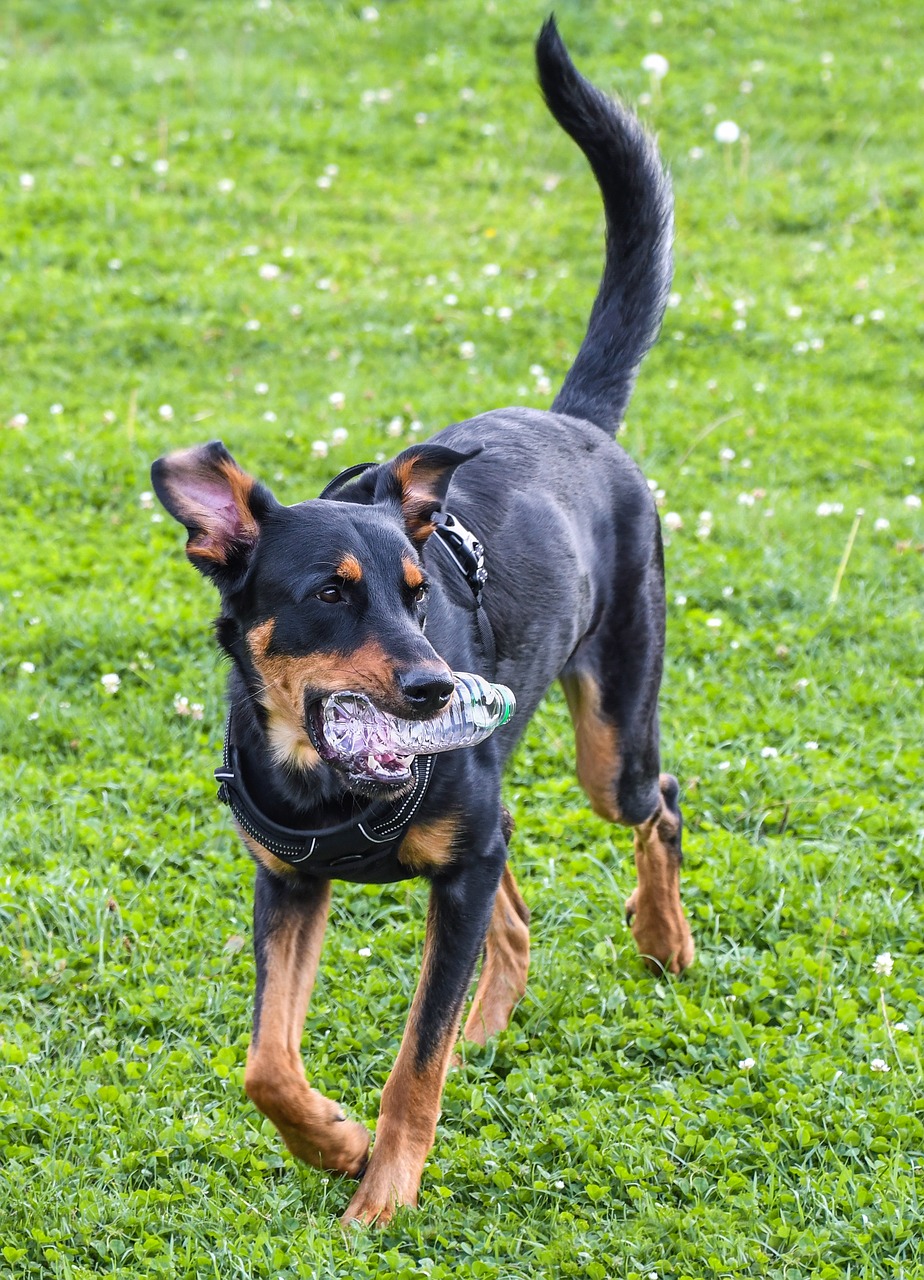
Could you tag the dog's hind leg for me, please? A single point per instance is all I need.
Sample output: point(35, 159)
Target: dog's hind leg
point(506, 963)
point(289, 924)
point(612, 684)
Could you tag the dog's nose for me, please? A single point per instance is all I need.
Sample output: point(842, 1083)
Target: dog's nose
point(427, 691)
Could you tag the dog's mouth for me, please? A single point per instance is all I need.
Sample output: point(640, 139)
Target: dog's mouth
point(383, 768)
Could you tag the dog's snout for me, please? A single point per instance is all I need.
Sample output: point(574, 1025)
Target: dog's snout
point(427, 690)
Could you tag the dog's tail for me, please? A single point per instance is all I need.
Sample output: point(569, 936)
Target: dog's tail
point(639, 209)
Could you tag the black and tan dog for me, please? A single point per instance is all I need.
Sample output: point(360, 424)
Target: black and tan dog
point(351, 591)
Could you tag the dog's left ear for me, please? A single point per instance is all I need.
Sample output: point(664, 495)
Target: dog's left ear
point(418, 479)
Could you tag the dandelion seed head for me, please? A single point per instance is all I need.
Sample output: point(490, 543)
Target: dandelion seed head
point(656, 65)
point(726, 131)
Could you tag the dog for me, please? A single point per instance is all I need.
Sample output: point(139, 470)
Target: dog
point(361, 590)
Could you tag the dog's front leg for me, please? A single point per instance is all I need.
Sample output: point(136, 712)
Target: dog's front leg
point(289, 923)
point(457, 921)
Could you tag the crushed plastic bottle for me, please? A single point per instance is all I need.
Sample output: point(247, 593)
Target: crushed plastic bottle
point(353, 727)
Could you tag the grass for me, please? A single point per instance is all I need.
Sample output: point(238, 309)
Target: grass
point(612, 1131)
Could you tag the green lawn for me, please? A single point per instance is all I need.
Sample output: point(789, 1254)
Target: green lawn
point(218, 215)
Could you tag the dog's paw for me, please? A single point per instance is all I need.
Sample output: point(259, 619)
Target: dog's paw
point(385, 1187)
point(663, 939)
point(343, 1147)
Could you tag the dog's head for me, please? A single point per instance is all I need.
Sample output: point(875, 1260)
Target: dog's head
point(324, 596)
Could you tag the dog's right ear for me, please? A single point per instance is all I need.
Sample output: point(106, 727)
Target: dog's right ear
point(219, 505)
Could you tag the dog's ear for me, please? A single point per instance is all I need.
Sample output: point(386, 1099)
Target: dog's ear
point(418, 480)
point(219, 505)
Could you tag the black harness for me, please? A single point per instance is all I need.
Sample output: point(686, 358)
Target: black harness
point(364, 848)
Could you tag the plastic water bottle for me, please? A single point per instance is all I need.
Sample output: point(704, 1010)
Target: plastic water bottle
point(354, 727)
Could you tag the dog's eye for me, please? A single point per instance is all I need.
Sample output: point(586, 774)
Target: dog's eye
point(331, 595)
point(420, 594)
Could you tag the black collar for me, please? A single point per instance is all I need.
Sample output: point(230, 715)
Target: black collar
point(332, 852)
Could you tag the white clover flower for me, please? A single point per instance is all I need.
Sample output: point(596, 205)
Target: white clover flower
point(19, 420)
point(110, 682)
point(913, 502)
point(250, 250)
point(536, 370)
point(161, 166)
point(491, 269)
point(166, 412)
point(746, 499)
point(673, 521)
point(181, 705)
point(726, 131)
point(727, 592)
point(811, 746)
point(26, 181)
point(829, 508)
point(365, 952)
point(745, 1064)
point(878, 315)
point(325, 182)
point(180, 54)
point(116, 162)
point(451, 300)
point(261, 388)
point(723, 765)
point(656, 65)
point(504, 313)
point(739, 325)
point(196, 710)
point(28, 668)
point(251, 325)
point(880, 524)
point(225, 185)
point(544, 386)
point(900, 1026)
point(395, 427)
point(339, 435)
point(696, 153)
point(714, 623)
point(146, 500)
point(269, 271)
point(34, 715)
point(56, 409)
point(336, 399)
point(319, 449)
point(769, 753)
point(295, 311)
point(369, 13)
point(727, 455)
point(467, 350)
point(680, 601)
point(269, 416)
point(909, 461)
point(879, 1064)
point(794, 312)
point(883, 964)
point(114, 264)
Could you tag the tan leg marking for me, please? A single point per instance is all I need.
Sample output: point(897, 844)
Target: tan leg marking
point(659, 926)
point(428, 845)
point(597, 742)
point(269, 860)
point(503, 975)
point(312, 1126)
point(407, 1118)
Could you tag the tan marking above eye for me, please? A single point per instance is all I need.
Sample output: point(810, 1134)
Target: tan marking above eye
point(349, 569)
point(413, 575)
